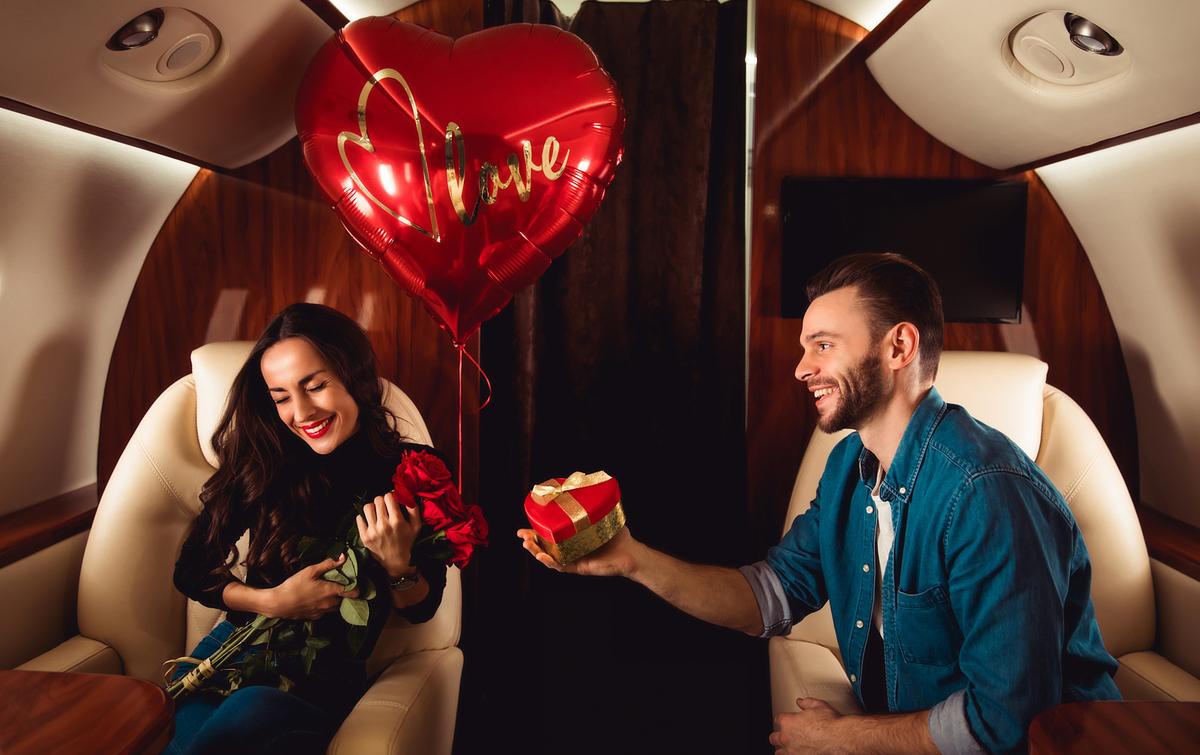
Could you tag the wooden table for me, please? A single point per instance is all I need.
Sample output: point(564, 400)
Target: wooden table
point(1102, 727)
point(50, 712)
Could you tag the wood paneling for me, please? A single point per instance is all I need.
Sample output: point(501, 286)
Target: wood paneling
point(819, 112)
point(39, 526)
point(453, 18)
point(1175, 543)
point(84, 714)
point(1149, 728)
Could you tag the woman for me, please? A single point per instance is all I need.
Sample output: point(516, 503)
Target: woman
point(304, 436)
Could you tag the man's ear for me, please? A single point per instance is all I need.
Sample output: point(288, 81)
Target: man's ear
point(904, 341)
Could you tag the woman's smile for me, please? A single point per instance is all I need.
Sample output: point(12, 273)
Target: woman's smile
point(317, 429)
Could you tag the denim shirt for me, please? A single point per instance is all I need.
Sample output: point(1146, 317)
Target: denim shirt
point(986, 602)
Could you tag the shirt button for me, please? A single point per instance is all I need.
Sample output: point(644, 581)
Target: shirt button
point(903, 491)
point(870, 509)
point(866, 567)
point(859, 624)
point(853, 678)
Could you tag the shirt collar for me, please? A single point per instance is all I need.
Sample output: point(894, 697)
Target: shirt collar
point(909, 454)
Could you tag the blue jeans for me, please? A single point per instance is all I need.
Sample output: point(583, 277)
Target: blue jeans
point(252, 719)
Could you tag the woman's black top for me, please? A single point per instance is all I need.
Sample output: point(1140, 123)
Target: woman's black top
point(353, 471)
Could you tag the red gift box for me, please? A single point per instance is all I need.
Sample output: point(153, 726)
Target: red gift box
point(575, 515)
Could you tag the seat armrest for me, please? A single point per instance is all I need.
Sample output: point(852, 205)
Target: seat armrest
point(410, 708)
point(80, 654)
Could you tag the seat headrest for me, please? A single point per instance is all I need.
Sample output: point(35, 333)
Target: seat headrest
point(998, 388)
point(214, 366)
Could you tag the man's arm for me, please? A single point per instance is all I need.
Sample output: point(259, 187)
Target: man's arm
point(716, 594)
point(1008, 559)
point(817, 727)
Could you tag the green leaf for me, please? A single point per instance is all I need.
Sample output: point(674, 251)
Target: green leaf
point(350, 568)
point(370, 589)
point(286, 634)
point(317, 642)
point(355, 611)
point(335, 575)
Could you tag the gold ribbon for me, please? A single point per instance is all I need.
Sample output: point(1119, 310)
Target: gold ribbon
point(194, 678)
point(552, 491)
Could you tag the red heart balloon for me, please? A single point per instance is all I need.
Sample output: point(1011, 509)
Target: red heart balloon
point(462, 166)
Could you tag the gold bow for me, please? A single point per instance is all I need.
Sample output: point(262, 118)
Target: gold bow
point(552, 491)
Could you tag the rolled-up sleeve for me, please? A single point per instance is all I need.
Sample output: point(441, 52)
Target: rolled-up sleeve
point(796, 567)
point(949, 729)
point(1008, 553)
point(772, 602)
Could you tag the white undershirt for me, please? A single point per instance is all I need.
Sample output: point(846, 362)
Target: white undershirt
point(885, 533)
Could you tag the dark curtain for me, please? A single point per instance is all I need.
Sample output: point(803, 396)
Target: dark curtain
point(627, 356)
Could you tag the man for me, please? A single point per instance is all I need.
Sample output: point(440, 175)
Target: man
point(958, 579)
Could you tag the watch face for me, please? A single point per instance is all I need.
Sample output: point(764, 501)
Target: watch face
point(404, 583)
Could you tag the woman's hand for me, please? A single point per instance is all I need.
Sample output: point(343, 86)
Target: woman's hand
point(388, 530)
point(306, 595)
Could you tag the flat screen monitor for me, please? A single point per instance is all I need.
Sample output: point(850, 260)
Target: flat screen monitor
point(968, 234)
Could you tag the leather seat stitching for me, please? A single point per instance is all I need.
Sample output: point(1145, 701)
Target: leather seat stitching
point(1073, 488)
point(162, 478)
point(420, 691)
point(1146, 679)
point(89, 657)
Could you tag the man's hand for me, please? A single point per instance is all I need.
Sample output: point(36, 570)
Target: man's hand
point(615, 558)
point(814, 729)
point(817, 727)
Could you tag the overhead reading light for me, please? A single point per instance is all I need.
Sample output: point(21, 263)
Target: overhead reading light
point(139, 32)
point(1091, 38)
point(164, 44)
point(1041, 55)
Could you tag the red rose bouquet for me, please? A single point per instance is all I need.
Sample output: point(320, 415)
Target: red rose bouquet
point(454, 530)
point(422, 479)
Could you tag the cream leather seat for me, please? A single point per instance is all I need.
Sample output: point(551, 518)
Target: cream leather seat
point(1009, 392)
point(131, 617)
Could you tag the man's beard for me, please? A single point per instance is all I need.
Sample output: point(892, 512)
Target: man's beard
point(860, 395)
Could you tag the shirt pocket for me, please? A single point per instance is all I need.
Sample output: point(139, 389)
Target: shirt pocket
point(926, 629)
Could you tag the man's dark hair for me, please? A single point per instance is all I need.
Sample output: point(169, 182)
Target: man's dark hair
point(893, 289)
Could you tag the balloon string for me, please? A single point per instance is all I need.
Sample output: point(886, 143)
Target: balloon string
point(460, 418)
point(462, 351)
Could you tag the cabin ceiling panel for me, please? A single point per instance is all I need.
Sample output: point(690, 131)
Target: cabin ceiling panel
point(865, 13)
point(77, 214)
point(948, 70)
point(1136, 209)
point(236, 109)
point(356, 9)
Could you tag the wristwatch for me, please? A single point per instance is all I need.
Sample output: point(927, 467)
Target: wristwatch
point(407, 582)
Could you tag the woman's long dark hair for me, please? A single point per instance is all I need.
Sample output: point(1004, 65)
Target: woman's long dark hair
point(263, 478)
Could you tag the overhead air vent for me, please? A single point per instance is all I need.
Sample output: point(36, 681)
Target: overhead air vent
point(1062, 49)
point(163, 44)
